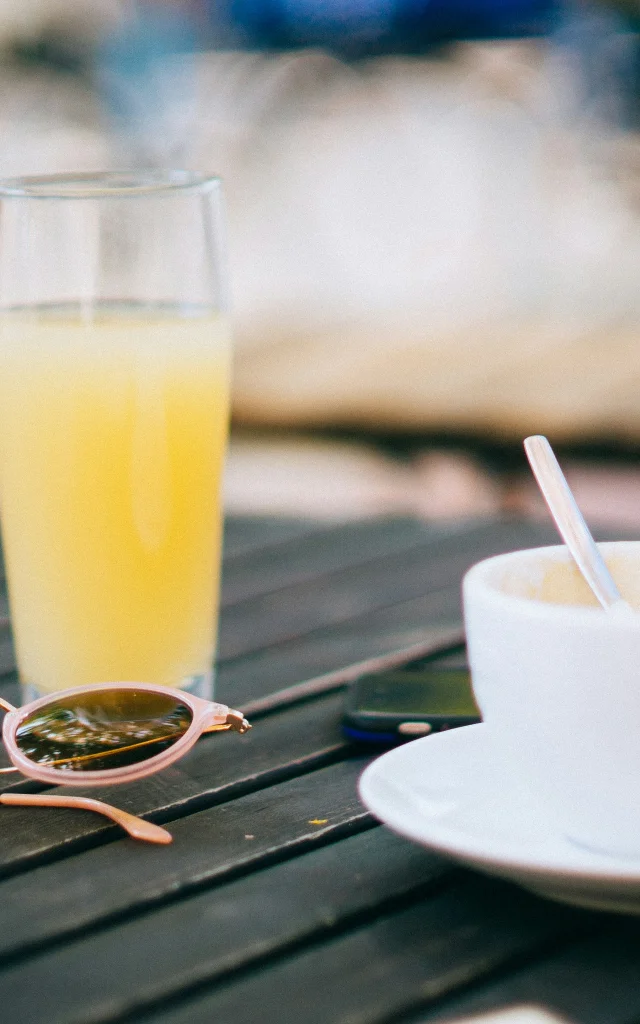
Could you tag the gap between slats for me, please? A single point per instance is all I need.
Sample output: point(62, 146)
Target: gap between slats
point(381, 971)
point(605, 962)
point(50, 902)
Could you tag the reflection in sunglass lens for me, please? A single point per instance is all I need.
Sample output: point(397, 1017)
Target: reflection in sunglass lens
point(101, 730)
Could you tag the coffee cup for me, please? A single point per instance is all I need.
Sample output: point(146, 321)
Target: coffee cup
point(557, 680)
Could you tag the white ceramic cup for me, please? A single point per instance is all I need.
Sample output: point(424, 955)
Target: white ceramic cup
point(557, 680)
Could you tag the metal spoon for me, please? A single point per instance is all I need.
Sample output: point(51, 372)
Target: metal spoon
point(570, 522)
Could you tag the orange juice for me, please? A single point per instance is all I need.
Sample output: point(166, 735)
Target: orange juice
point(112, 436)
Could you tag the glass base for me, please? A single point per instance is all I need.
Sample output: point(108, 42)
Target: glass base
point(199, 686)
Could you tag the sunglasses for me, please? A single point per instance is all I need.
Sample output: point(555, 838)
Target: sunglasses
point(104, 734)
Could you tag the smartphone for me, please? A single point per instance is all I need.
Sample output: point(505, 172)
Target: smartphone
point(402, 704)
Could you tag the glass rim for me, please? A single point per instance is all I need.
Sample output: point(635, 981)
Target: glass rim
point(108, 184)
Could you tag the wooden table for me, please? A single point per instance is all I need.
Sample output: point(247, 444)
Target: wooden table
point(281, 900)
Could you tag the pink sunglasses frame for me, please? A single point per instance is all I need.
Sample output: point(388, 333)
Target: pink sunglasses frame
point(208, 716)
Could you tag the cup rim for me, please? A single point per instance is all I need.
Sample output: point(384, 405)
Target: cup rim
point(121, 184)
point(477, 584)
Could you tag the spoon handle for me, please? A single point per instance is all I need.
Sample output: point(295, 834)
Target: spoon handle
point(569, 520)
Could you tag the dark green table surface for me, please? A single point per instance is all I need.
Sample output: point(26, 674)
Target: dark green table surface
point(281, 900)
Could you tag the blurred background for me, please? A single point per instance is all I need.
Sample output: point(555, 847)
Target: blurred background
point(434, 222)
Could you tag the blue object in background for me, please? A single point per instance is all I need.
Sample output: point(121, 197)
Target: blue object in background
point(149, 97)
point(386, 25)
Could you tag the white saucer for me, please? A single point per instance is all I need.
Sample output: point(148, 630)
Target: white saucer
point(447, 793)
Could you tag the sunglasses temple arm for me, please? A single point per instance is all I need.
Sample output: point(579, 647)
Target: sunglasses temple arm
point(137, 828)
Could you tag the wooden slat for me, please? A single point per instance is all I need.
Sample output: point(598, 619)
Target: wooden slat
point(344, 594)
point(244, 534)
point(595, 981)
point(217, 769)
point(432, 644)
point(435, 618)
point(7, 653)
point(209, 847)
point(383, 969)
point(131, 965)
point(9, 686)
point(307, 557)
point(422, 643)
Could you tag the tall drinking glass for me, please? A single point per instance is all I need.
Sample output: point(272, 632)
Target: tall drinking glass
point(114, 393)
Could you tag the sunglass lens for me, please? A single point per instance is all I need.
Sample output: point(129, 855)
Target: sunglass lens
point(94, 731)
